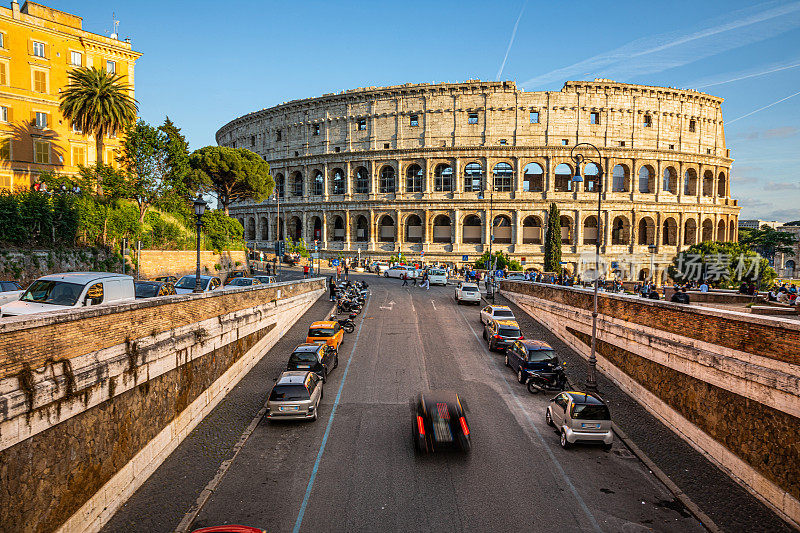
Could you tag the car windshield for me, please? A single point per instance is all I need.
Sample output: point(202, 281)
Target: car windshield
point(469, 289)
point(288, 393)
point(146, 290)
point(53, 292)
point(302, 357)
point(503, 313)
point(320, 332)
point(541, 356)
point(508, 332)
point(436, 272)
point(590, 412)
point(8, 286)
point(187, 282)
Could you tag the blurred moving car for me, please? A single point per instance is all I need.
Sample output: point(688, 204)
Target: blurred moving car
point(329, 332)
point(57, 292)
point(437, 276)
point(398, 271)
point(580, 417)
point(528, 355)
point(10, 291)
point(501, 333)
point(185, 285)
point(296, 395)
point(151, 289)
point(243, 282)
point(317, 358)
point(468, 292)
point(515, 276)
point(171, 279)
point(496, 312)
point(235, 274)
point(266, 279)
point(440, 422)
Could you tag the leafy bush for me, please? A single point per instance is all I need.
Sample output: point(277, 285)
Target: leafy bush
point(221, 231)
point(503, 260)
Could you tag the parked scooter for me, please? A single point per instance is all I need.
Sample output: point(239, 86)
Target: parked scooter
point(347, 323)
point(553, 380)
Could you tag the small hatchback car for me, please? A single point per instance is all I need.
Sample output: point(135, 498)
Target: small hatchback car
point(296, 395)
point(318, 358)
point(329, 332)
point(501, 333)
point(580, 417)
point(496, 312)
point(439, 422)
point(528, 355)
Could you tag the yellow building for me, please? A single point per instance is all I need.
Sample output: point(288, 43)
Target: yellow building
point(39, 46)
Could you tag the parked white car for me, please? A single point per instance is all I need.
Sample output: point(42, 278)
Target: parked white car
point(468, 292)
point(185, 285)
point(515, 276)
point(10, 291)
point(398, 271)
point(437, 276)
point(496, 312)
point(57, 292)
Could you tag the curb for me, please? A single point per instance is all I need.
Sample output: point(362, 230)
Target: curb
point(671, 486)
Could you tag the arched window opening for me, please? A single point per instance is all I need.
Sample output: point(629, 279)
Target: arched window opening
point(670, 180)
point(503, 177)
point(722, 185)
point(387, 229)
point(471, 232)
point(473, 177)
point(338, 182)
point(317, 225)
point(414, 179)
point(532, 178)
point(362, 180)
point(441, 229)
point(280, 185)
point(443, 178)
point(620, 231)
point(501, 229)
point(708, 231)
point(414, 228)
point(566, 229)
point(297, 184)
point(619, 178)
point(647, 231)
point(387, 181)
point(708, 183)
point(690, 232)
point(590, 230)
point(669, 233)
point(563, 178)
point(362, 229)
point(646, 183)
point(532, 230)
point(338, 228)
point(690, 182)
point(319, 184)
point(591, 177)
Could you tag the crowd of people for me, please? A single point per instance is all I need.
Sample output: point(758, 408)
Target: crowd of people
point(783, 293)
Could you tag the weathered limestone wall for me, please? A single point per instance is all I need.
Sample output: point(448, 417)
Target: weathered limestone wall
point(179, 263)
point(727, 382)
point(92, 401)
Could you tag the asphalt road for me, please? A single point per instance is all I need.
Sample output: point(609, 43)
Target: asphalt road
point(355, 468)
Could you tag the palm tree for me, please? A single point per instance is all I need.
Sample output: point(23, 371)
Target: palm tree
point(97, 102)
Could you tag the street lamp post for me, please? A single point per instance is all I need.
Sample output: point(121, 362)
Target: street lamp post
point(578, 158)
point(199, 209)
point(489, 270)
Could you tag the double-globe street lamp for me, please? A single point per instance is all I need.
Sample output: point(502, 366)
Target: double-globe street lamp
point(489, 270)
point(579, 158)
point(199, 209)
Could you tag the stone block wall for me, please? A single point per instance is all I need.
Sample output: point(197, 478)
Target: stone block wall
point(727, 382)
point(93, 400)
point(179, 263)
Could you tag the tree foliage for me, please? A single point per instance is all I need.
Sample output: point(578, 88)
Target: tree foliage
point(178, 177)
point(221, 231)
point(98, 102)
point(144, 158)
point(231, 174)
point(721, 264)
point(552, 242)
point(767, 241)
point(499, 259)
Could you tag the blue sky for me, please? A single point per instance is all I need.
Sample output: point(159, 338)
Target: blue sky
point(205, 63)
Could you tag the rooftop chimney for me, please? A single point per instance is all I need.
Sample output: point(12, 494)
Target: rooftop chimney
point(15, 9)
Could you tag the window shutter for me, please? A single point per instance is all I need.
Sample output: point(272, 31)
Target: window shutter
point(3, 74)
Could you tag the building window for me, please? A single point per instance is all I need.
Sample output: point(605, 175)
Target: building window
point(622, 143)
point(692, 125)
point(42, 152)
point(76, 58)
point(534, 117)
point(5, 148)
point(337, 149)
point(503, 177)
point(473, 177)
point(2, 40)
point(443, 178)
point(708, 150)
point(3, 114)
point(278, 135)
point(385, 146)
point(111, 67)
point(319, 184)
point(40, 81)
point(253, 141)
point(41, 120)
point(316, 129)
point(414, 179)
point(671, 146)
point(386, 183)
point(3, 73)
point(362, 124)
point(503, 142)
point(78, 156)
point(648, 121)
point(414, 121)
point(472, 118)
point(564, 142)
point(38, 49)
point(594, 118)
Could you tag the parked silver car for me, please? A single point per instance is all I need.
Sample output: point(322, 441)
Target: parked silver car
point(295, 396)
point(580, 417)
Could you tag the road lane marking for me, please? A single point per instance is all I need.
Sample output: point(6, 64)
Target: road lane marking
point(314, 470)
point(433, 304)
point(550, 453)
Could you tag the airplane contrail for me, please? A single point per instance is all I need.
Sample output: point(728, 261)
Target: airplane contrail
point(755, 75)
point(511, 41)
point(763, 108)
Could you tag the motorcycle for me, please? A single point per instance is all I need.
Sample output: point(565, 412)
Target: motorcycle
point(553, 380)
point(347, 323)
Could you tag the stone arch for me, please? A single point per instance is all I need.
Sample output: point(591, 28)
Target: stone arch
point(590, 233)
point(732, 231)
point(473, 177)
point(441, 229)
point(251, 229)
point(295, 229)
point(532, 230)
point(533, 178)
point(338, 232)
point(280, 185)
point(620, 178)
point(414, 230)
point(690, 182)
point(621, 230)
point(690, 232)
point(501, 229)
point(443, 178)
point(361, 180)
point(387, 182)
point(472, 229)
point(669, 232)
point(591, 177)
point(721, 227)
point(338, 181)
point(566, 229)
point(414, 178)
point(708, 230)
point(387, 231)
point(647, 231)
point(318, 188)
point(563, 178)
point(708, 183)
point(670, 184)
point(503, 177)
point(263, 224)
point(647, 182)
point(722, 185)
point(361, 228)
point(316, 228)
point(297, 183)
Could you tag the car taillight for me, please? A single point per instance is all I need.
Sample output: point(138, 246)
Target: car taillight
point(464, 427)
point(496, 337)
point(420, 425)
point(521, 337)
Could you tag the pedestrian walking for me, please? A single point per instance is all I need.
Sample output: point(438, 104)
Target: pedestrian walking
point(305, 271)
point(426, 282)
point(346, 272)
point(405, 279)
point(338, 272)
point(332, 288)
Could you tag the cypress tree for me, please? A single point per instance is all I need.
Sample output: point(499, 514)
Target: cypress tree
point(552, 243)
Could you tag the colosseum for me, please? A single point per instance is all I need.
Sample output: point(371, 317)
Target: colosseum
point(419, 169)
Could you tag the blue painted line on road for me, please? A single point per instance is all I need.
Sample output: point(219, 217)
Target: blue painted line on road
point(550, 453)
point(310, 486)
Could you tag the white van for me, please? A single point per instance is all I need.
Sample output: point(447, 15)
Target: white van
point(69, 290)
point(437, 276)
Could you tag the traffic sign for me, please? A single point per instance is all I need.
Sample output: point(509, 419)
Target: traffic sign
point(335, 262)
point(315, 255)
point(465, 258)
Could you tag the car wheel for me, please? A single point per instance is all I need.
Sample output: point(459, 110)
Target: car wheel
point(520, 376)
point(324, 374)
point(316, 413)
point(564, 442)
point(548, 418)
point(385, 274)
point(336, 361)
point(507, 361)
point(607, 447)
point(484, 334)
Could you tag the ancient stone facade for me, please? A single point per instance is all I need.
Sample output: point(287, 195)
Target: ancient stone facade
point(421, 167)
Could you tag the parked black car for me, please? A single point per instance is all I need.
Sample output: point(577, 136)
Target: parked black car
point(171, 279)
point(314, 357)
point(151, 289)
point(440, 423)
point(528, 355)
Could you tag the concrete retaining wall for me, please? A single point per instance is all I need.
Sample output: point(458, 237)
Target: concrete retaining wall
point(93, 400)
point(727, 382)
